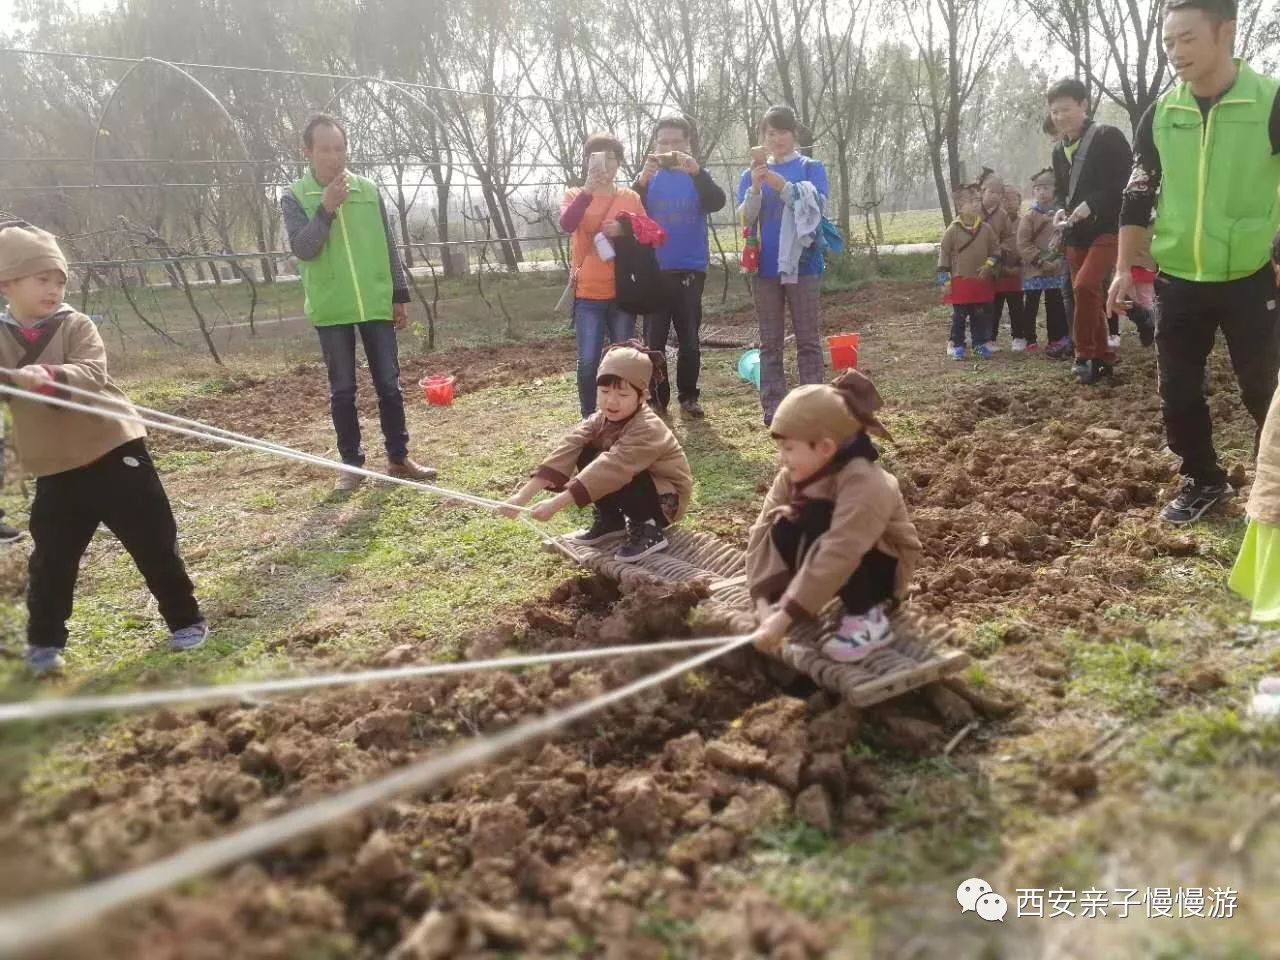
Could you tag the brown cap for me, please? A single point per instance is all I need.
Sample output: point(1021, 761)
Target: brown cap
point(1044, 178)
point(25, 250)
point(632, 365)
point(838, 410)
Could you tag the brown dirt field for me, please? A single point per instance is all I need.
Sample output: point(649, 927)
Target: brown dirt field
point(1027, 498)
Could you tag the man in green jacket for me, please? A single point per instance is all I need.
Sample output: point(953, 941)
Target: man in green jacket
point(1209, 151)
point(355, 283)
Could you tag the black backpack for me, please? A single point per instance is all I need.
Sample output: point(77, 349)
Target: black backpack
point(636, 275)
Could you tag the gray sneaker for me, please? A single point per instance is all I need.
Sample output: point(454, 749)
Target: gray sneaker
point(348, 482)
point(43, 661)
point(189, 638)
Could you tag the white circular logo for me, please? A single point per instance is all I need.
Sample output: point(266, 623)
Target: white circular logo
point(131, 462)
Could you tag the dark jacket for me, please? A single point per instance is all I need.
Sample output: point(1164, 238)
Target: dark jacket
point(1107, 164)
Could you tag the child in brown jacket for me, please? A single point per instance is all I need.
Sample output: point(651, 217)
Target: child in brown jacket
point(627, 462)
point(995, 215)
point(89, 470)
point(833, 524)
point(968, 258)
point(1043, 266)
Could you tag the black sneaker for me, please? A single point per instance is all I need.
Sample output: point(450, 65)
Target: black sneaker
point(603, 526)
point(10, 534)
point(1079, 368)
point(1194, 500)
point(1093, 372)
point(644, 540)
point(692, 409)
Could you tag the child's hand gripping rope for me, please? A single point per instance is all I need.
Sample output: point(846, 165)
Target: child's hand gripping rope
point(771, 635)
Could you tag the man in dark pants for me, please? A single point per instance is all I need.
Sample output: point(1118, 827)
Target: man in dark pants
point(679, 194)
point(355, 283)
point(1090, 166)
point(1209, 150)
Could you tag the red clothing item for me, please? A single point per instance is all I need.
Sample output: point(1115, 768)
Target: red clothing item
point(970, 290)
point(644, 229)
point(1089, 268)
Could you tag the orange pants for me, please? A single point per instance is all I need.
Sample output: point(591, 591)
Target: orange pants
point(1090, 267)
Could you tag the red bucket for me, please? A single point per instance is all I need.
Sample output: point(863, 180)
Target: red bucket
point(844, 350)
point(438, 389)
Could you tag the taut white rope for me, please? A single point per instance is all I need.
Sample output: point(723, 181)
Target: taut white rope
point(39, 921)
point(74, 706)
point(204, 432)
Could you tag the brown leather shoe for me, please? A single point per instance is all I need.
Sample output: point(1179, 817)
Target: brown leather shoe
point(406, 469)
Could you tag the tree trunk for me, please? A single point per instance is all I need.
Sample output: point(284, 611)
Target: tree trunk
point(846, 195)
point(268, 268)
point(873, 201)
point(940, 181)
point(402, 214)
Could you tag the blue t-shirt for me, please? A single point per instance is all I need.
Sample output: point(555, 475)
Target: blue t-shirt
point(672, 200)
point(771, 207)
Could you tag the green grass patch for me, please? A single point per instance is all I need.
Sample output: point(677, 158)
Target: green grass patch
point(1118, 675)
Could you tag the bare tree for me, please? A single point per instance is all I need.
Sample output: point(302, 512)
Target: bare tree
point(956, 41)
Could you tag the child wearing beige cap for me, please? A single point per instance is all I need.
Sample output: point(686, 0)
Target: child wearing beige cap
point(89, 469)
point(623, 459)
point(833, 524)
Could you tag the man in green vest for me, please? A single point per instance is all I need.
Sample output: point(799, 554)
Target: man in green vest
point(1207, 162)
point(354, 283)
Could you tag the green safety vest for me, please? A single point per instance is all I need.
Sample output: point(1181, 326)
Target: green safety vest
point(350, 281)
point(1219, 201)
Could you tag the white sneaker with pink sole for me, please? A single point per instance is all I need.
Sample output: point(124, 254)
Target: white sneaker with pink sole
point(858, 636)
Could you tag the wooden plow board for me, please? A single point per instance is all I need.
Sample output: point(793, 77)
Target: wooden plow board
point(918, 655)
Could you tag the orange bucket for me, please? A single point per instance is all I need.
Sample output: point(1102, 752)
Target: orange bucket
point(844, 350)
point(438, 389)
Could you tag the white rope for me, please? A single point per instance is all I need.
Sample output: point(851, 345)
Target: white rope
point(204, 432)
point(76, 706)
point(127, 405)
point(39, 921)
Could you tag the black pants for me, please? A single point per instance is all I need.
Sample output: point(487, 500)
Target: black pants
point(1055, 314)
point(978, 318)
point(639, 501)
point(1187, 322)
point(123, 491)
point(682, 295)
point(338, 344)
point(870, 584)
point(1013, 300)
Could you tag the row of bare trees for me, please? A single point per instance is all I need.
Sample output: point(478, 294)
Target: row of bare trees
point(472, 113)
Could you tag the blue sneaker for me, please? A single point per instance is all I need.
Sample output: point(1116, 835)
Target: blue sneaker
point(986, 351)
point(955, 351)
point(189, 638)
point(42, 661)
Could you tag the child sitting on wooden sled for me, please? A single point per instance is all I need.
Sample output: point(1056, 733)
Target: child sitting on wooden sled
point(833, 524)
point(628, 462)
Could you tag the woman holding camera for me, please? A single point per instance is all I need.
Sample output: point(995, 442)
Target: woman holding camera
point(590, 215)
point(765, 192)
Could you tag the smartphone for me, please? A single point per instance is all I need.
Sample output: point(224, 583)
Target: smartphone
point(759, 155)
point(596, 162)
point(667, 160)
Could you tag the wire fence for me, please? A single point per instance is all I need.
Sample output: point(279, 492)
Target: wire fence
point(182, 253)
